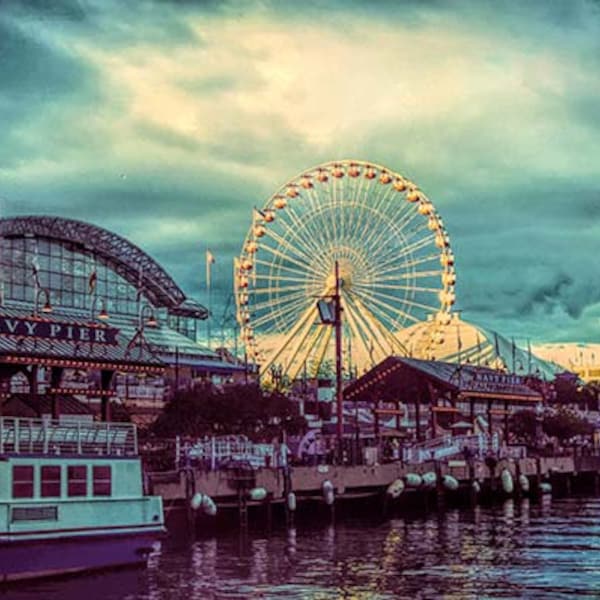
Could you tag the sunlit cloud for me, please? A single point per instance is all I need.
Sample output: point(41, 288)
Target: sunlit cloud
point(168, 122)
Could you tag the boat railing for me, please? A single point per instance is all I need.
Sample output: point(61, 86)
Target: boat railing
point(45, 436)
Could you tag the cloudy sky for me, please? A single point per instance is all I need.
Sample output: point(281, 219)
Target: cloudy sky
point(168, 121)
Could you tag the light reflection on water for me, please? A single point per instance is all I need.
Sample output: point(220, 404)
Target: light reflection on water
point(515, 550)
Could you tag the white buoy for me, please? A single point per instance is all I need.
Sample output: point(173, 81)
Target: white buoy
point(429, 479)
point(208, 506)
point(524, 483)
point(395, 488)
point(507, 481)
point(328, 493)
point(291, 501)
point(196, 501)
point(450, 483)
point(204, 502)
point(258, 494)
point(545, 488)
point(413, 480)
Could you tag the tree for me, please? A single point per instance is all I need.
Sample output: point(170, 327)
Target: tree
point(238, 409)
point(565, 424)
point(523, 424)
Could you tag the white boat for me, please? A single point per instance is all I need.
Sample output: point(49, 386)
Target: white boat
point(71, 498)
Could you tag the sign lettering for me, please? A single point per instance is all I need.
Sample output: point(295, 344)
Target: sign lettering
point(58, 331)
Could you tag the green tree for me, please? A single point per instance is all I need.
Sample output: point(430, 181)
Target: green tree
point(239, 409)
point(565, 424)
point(523, 424)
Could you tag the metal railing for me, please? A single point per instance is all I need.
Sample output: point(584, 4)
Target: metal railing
point(218, 451)
point(479, 445)
point(44, 436)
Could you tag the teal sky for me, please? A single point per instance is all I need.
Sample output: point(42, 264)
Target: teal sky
point(168, 121)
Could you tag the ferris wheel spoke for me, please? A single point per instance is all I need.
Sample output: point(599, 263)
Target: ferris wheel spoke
point(320, 345)
point(321, 233)
point(412, 275)
point(271, 290)
point(374, 207)
point(392, 253)
point(394, 345)
point(425, 307)
point(369, 324)
point(304, 322)
point(407, 250)
point(358, 334)
point(299, 343)
point(395, 266)
point(301, 230)
point(300, 275)
point(296, 250)
point(400, 287)
point(278, 253)
point(265, 277)
point(393, 311)
point(289, 308)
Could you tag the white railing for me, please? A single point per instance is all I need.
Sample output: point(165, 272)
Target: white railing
point(45, 436)
point(215, 452)
point(479, 445)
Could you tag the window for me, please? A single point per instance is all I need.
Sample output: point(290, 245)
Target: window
point(102, 481)
point(77, 480)
point(22, 476)
point(50, 485)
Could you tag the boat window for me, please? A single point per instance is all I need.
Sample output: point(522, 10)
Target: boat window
point(50, 487)
point(102, 481)
point(22, 476)
point(77, 480)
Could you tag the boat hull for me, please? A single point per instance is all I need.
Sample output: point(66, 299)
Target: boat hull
point(30, 559)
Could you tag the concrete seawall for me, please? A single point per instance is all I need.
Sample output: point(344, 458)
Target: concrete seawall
point(224, 486)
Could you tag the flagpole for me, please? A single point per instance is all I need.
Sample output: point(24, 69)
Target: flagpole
point(208, 298)
point(210, 259)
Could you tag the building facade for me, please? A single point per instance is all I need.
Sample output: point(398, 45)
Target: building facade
point(72, 292)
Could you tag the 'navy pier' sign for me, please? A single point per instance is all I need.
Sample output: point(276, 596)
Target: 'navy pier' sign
point(68, 332)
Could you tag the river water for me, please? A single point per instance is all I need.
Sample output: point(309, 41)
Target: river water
point(514, 550)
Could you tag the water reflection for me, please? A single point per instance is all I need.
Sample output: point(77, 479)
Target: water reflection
point(516, 549)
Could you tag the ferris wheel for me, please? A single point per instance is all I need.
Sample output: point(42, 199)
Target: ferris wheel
point(395, 268)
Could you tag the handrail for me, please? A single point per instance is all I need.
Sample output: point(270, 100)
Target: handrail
point(45, 436)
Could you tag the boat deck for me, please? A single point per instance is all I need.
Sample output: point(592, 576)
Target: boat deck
point(44, 436)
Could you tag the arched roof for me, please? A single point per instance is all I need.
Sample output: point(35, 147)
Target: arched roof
point(132, 263)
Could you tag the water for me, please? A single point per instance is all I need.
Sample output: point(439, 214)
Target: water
point(514, 550)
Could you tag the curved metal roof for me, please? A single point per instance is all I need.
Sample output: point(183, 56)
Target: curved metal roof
point(130, 261)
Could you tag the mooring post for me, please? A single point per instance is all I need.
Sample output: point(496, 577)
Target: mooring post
point(441, 492)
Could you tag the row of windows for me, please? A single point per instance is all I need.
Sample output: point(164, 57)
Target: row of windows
point(65, 272)
point(23, 481)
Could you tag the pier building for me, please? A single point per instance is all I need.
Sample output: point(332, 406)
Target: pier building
point(88, 314)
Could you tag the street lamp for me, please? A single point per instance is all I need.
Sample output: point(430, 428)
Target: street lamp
point(145, 317)
point(330, 312)
point(103, 314)
point(47, 307)
point(146, 312)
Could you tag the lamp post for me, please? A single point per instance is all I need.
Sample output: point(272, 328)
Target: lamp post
point(146, 311)
point(103, 314)
point(47, 307)
point(334, 318)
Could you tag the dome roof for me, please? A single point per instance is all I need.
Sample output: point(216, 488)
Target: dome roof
point(464, 342)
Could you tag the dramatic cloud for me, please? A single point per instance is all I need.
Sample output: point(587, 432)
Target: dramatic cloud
point(168, 121)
